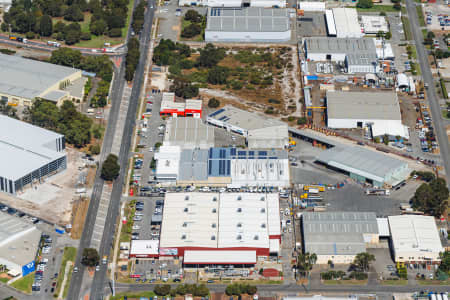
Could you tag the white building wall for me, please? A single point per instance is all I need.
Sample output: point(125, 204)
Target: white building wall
point(361, 69)
point(268, 3)
point(233, 3)
point(222, 36)
point(416, 256)
point(323, 56)
point(259, 172)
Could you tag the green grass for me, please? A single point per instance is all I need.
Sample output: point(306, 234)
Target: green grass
point(407, 28)
point(4, 280)
point(67, 285)
point(424, 33)
point(129, 13)
point(121, 296)
point(378, 8)
point(413, 50)
point(345, 282)
point(394, 282)
point(443, 88)
point(444, 114)
point(24, 284)
point(434, 282)
point(69, 255)
point(420, 16)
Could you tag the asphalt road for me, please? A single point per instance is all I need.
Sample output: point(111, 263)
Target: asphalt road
point(113, 211)
point(439, 128)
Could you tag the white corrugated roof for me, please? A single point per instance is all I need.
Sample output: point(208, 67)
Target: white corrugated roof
point(144, 247)
point(346, 20)
point(220, 257)
point(168, 160)
point(274, 246)
point(383, 227)
point(414, 233)
point(330, 22)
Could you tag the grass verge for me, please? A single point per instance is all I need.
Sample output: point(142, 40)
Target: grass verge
point(24, 284)
point(394, 282)
point(444, 115)
point(67, 285)
point(121, 296)
point(406, 28)
point(69, 255)
point(345, 282)
point(443, 88)
point(434, 282)
point(378, 8)
point(420, 15)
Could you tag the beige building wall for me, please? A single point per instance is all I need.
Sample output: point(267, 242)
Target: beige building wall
point(336, 259)
point(417, 256)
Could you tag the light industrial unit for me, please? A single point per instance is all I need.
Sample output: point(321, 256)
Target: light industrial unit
point(144, 248)
point(374, 24)
point(23, 80)
point(415, 239)
point(380, 111)
point(260, 131)
point(342, 22)
point(19, 242)
point(28, 154)
point(188, 133)
point(338, 236)
point(252, 24)
point(234, 3)
point(220, 228)
point(186, 108)
point(366, 166)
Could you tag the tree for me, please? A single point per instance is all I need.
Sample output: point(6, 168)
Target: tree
point(218, 75)
point(388, 35)
point(46, 26)
point(362, 261)
point(72, 37)
point(193, 16)
point(115, 32)
point(110, 168)
point(73, 13)
point(162, 290)
point(306, 261)
point(445, 262)
point(98, 27)
point(90, 257)
point(94, 149)
point(302, 121)
point(59, 27)
point(431, 198)
point(184, 89)
point(191, 30)
point(397, 6)
point(213, 103)
point(210, 56)
point(132, 58)
point(364, 4)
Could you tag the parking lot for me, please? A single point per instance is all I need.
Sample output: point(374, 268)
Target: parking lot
point(158, 269)
point(311, 24)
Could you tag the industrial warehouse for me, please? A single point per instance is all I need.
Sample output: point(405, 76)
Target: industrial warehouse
point(260, 131)
point(28, 154)
point(19, 242)
point(188, 133)
point(380, 112)
point(23, 80)
point(187, 108)
point(415, 239)
point(338, 236)
point(251, 24)
point(343, 22)
point(233, 3)
point(366, 166)
point(220, 228)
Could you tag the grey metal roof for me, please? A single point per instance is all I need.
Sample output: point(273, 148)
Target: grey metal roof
point(363, 105)
point(360, 160)
point(189, 132)
point(249, 19)
point(337, 233)
point(25, 148)
point(193, 165)
point(29, 78)
point(54, 96)
point(339, 45)
point(361, 59)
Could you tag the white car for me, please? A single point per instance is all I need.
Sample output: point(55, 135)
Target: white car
point(97, 268)
point(136, 227)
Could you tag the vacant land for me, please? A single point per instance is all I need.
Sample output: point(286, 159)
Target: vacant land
point(79, 211)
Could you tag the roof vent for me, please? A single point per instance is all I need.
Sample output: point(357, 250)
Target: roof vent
point(214, 210)
point(239, 209)
point(263, 210)
point(239, 225)
point(262, 198)
point(183, 236)
point(213, 238)
point(256, 237)
point(215, 199)
point(185, 209)
point(239, 198)
point(213, 225)
point(263, 225)
point(185, 224)
point(186, 198)
point(239, 237)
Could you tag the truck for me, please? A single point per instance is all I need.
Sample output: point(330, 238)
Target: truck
point(378, 192)
point(319, 187)
point(283, 223)
point(53, 44)
point(104, 259)
point(18, 39)
point(313, 191)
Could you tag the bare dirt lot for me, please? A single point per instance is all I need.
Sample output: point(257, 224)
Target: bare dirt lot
point(52, 200)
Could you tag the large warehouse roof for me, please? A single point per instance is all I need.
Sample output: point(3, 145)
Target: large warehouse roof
point(363, 105)
point(29, 78)
point(250, 19)
point(25, 147)
point(193, 165)
point(411, 233)
point(358, 160)
point(338, 233)
point(339, 45)
point(244, 119)
point(346, 20)
point(188, 133)
point(222, 220)
point(19, 240)
point(219, 257)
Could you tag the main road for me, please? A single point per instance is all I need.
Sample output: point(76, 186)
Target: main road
point(422, 55)
point(118, 85)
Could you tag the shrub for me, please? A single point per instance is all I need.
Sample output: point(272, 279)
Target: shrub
point(85, 36)
point(213, 103)
point(110, 168)
point(274, 101)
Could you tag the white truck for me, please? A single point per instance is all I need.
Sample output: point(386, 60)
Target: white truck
point(378, 192)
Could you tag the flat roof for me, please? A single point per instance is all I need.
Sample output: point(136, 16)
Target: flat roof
point(338, 233)
point(29, 78)
point(194, 104)
point(339, 45)
point(412, 233)
point(374, 24)
point(361, 161)
point(168, 160)
point(144, 247)
point(19, 240)
point(193, 165)
point(188, 132)
point(363, 105)
point(25, 148)
point(331, 26)
point(346, 20)
point(244, 119)
point(383, 227)
point(219, 257)
point(219, 220)
point(248, 19)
